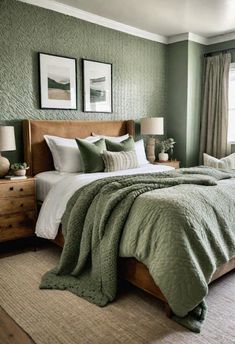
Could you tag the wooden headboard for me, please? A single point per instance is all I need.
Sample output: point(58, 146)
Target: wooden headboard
point(36, 151)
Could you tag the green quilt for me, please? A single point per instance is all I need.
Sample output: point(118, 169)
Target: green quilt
point(181, 234)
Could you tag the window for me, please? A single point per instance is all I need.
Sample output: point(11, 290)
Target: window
point(231, 117)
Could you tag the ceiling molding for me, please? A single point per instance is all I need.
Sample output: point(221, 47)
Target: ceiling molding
point(112, 24)
point(177, 38)
point(95, 19)
point(221, 38)
point(196, 38)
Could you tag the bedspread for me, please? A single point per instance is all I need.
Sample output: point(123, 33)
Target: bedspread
point(180, 225)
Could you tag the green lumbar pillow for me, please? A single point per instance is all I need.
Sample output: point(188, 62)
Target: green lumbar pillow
point(126, 145)
point(91, 155)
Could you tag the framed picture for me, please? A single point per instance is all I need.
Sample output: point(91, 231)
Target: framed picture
point(97, 86)
point(58, 82)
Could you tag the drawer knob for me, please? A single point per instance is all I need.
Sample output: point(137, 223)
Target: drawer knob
point(22, 205)
point(11, 188)
point(10, 226)
point(21, 189)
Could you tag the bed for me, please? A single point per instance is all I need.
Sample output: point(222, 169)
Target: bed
point(39, 158)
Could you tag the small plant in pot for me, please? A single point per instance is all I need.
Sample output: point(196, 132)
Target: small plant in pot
point(19, 168)
point(164, 147)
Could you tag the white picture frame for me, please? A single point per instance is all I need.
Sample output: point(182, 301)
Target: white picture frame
point(57, 82)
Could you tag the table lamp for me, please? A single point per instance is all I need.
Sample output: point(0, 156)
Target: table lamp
point(152, 126)
point(7, 143)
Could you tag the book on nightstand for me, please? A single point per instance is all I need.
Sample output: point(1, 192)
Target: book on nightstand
point(15, 177)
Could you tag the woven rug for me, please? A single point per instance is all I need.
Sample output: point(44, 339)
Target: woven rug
point(59, 317)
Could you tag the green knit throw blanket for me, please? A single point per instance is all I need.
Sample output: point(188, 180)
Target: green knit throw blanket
point(92, 226)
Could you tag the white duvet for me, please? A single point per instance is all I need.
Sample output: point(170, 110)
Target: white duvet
point(55, 203)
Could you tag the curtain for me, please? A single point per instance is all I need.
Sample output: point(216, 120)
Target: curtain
point(214, 121)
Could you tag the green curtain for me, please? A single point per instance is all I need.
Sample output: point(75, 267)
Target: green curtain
point(214, 120)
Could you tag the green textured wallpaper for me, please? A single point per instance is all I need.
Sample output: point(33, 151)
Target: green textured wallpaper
point(139, 65)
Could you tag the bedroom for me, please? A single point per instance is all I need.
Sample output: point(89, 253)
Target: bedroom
point(154, 69)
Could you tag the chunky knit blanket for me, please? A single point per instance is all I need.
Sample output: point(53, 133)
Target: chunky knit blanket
point(182, 243)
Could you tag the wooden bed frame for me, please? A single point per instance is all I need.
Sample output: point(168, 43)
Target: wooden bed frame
point(38, 156)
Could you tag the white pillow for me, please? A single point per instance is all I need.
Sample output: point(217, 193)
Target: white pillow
point(227, 163)
point(91, 139)
point(140, 152)
point(65, 153)
point(112, 138)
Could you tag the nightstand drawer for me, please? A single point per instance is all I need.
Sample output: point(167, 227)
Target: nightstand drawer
point(17, 220)
point(16, 189)
point(15, 233)
point(17, 208)
point(16, 205)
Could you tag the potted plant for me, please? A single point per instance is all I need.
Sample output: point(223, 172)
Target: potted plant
point(19, 168)
point(164, 147)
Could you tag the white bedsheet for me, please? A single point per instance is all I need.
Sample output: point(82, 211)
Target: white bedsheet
point(55, 203)
point(45, 181)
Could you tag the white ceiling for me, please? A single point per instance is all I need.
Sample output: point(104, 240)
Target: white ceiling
point(166, 17)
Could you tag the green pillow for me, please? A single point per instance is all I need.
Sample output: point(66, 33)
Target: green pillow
point(126, 145)
point(91, 155)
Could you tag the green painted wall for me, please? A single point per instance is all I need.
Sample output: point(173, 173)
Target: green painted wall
point(177, 97)
point(185, 87)
point(185, 61)
point(139, 65)
point(194, 99)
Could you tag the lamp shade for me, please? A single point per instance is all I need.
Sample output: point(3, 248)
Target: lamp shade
point(7, 138)
point(152, 126)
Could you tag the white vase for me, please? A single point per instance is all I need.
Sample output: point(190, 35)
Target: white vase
point(21, 172)
point(163, 156)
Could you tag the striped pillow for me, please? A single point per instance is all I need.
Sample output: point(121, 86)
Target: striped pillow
point(116, 161)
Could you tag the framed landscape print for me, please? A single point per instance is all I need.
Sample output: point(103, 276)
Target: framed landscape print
point(97, 86)
point(58, 82)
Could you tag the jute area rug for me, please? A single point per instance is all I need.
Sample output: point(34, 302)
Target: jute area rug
point(59, 317)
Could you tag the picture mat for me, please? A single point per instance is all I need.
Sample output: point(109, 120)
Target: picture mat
point(97, 77)
point(59, 66)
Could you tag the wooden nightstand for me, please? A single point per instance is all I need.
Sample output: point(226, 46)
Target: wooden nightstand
point(172, 163)
point(17, 208)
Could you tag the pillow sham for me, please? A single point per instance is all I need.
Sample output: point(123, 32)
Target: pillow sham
point(126, 145)
point(112, 138)
point(227, 163)
point(65, 153)
point(140, 152)
point(116, 161)
point(91, 155)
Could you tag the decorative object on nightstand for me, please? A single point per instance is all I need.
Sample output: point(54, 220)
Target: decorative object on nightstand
point(19, 169)
point(152, 126)
point(7, 143)
point(17, 209)
point(164, 147)
point(172, 163)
